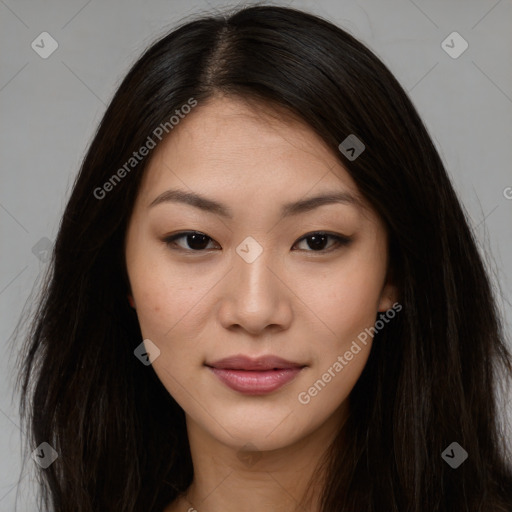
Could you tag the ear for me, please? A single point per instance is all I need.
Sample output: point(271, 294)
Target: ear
point(131, 301)
point(388, 295)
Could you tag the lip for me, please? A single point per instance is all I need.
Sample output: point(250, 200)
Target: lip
point(241, 362)
point(255, 376)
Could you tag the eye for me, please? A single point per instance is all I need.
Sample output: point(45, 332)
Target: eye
point(318, 241)
point(195, 241)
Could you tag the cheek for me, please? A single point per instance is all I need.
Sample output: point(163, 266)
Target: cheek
point(346, 300)
point(346, 305)
point(172, 310)
point(168, 311)
point(166, 299)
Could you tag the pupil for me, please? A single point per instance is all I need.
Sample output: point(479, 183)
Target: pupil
point(197, 242)
point(317, 242)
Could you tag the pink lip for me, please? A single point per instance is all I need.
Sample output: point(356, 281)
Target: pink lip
point(255, 376)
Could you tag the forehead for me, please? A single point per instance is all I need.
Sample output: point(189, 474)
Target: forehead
point(229, 147)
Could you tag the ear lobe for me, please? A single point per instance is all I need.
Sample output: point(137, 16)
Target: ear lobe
point(388, 297)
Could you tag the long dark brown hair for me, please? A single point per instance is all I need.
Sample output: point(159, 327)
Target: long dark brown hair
point(433, 374)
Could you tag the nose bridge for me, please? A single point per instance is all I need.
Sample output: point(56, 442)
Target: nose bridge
point(256, 287)
point(254, 298)
point(251, 267)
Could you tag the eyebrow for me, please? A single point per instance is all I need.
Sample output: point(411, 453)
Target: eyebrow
point(287, 210)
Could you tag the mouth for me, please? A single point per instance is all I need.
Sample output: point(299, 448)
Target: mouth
point(255, 376)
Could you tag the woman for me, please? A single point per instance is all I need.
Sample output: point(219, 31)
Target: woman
point(265, 294)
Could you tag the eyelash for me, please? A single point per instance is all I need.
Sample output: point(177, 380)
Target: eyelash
point(340, 241)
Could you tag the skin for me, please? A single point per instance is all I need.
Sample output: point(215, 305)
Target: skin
point(293, 301)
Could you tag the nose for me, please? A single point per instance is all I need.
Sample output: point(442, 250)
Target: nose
point(255, 298)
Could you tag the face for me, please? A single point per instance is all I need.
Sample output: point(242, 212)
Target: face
point(254, 265)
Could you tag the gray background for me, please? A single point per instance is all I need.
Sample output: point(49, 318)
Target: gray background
point(50, 108)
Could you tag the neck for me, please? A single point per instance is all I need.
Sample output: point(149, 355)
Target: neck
point(286, 479)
